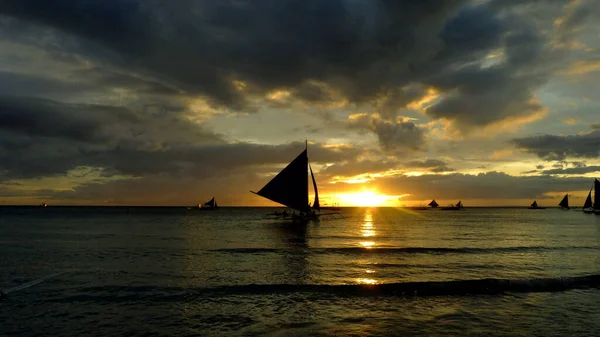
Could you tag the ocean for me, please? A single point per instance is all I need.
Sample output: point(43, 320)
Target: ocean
point(127, 271)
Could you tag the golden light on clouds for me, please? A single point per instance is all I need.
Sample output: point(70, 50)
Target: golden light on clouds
point(500, 154)
point(364, 178)
point(569, 121)
point(200, 111)
point(512, 124)
point(584, 67)
point(278, 95)
point(239, 85)
point(426, 101)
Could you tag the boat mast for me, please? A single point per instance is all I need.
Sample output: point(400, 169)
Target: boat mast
point(307, 188)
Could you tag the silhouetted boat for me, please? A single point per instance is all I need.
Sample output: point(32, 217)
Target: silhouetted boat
point(290, 188)
point(589, 206)
point(210, 205)
point(43, 204)
point(331, 208)
point(564, 203)
point(535, 205)
point(458, 206)
point(433, 203)
point(596, 197)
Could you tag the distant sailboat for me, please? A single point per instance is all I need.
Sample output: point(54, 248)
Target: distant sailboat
point(208, 206)
point(535, 205)
point(564, 203)
point(290, 188)
point(588, 206)
point(433, 203)
point(335, 207)
point(419, 208)
point(458, 206)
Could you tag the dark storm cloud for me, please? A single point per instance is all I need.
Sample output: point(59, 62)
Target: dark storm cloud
point(13, 84)
point(364, 50)
point(354, 168)
point(41, 137)
point(490, 185)
point(551, 147)
point(433, 165)
point(398, 135)
point(391, 134)
point(573, 170)
point(45, 118)
point(576, 17)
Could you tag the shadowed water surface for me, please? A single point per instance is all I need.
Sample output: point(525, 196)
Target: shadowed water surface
point(173, 271)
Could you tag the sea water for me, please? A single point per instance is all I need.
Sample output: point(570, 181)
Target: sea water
point(380, 271)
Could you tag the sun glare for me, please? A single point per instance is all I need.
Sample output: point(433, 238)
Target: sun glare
point(364, 198)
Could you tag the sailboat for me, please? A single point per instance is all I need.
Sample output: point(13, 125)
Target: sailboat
point(589, 206)
point(596, 197)
point(564, 203)
point(458, 206)
point(290, 188)
point(210, 205)
point(419, 208)
point(535, 205)
point(433, 203)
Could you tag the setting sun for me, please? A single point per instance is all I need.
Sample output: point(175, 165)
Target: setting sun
point(365, 198)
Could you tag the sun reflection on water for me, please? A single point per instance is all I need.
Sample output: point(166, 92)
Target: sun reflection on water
point(367, 244)
point(366, 229)
point(368, 232)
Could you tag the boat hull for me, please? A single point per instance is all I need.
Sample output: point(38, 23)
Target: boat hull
point(205, 208)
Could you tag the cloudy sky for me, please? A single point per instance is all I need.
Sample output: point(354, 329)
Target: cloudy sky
point(156, 102)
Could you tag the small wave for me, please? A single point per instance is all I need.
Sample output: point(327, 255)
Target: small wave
point(459, 287)
point(402, 250)
point(249, 250)
point(111, 294)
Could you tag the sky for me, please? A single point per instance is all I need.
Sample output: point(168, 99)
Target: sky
point(156, 102)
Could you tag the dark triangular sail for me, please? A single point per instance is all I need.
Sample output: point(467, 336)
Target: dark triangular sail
point(210, 203)
point(596, 194)
point(433, 203)
point(290, 186)
point(535, 204)
point(564, 202)
point(588, 201)
point(316, 205)
point(459, 205)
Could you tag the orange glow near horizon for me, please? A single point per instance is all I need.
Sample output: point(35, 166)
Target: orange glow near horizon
point(366, 198)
